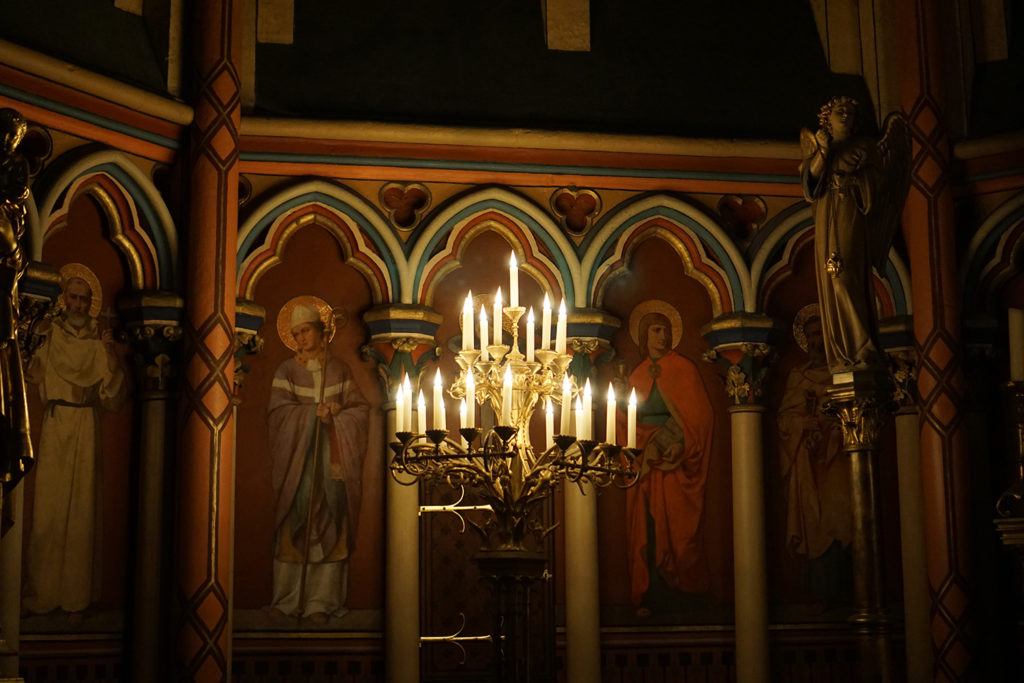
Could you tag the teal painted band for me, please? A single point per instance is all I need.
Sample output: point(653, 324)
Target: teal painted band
point(81, 115)
point(498, 166)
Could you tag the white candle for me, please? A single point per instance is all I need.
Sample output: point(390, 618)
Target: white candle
point(513, 281)
point(506, 397)
point(399, 409)
point(560, 336)
point(609, 422)
point(579, 418)
point(463, 418)
point(438, 402)
point(483, 333)
point(545, 324)
point(471, 400)
point(588, 411)
point(1016, 325)
point(563, 426)
point(407, 421)
point(467, 323)
point(631, 421)
point(497, 317)
point(529, 336)
point(421, 414)
point(549, 425)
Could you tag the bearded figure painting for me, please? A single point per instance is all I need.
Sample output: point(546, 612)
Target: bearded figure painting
point(675, 422)
point(317, 426)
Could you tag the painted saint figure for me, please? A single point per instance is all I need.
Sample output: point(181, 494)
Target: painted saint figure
point(665, 509)
point(317, 422)
point(815, 472)
point(78, 375)
point(858, 187)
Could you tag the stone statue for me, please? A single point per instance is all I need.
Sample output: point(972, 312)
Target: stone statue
point(858, 187)
point(15, 447)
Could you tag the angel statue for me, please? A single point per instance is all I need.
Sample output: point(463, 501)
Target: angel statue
point(15, 447)
point(858, 187)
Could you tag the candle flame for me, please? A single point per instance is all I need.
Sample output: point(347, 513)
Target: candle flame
point(611, 393)
point(437, 379)
point(512, 261)
point(632, 397)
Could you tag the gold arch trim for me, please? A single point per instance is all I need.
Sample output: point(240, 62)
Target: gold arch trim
point(289, 230)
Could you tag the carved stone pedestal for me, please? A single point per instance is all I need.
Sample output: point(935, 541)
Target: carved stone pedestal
point(522, 651)
point(862, 401)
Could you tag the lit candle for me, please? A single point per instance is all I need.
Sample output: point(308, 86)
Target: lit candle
point(407, 422)
point(513, 281)
point(467, 323)
point(588, 411)
point(545, 324)
point(483, 333)
point(470, 420)
point(463, 418)
point(609, 423)
point(1016, 325)
point(549, 425)
point(399, 409)
point(497, 317)
point(506, 397)
point(421, 414)
point(563, 426)
point(631, 421)
point(560, 336)
point(579, 418)
point(438, 402)
point(529, 336)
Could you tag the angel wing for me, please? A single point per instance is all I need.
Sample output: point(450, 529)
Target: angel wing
point(808, 145)
point(893, 154)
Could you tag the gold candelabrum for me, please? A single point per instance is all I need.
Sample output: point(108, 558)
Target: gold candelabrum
point(501, 464)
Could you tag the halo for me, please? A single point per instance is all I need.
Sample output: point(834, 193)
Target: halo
point(656, 306)
point(803, 315)
point(333, 319)
point(82, 272)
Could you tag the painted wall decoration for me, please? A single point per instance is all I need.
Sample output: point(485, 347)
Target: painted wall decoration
point(665, 544)
point(316, 423)
point(815, 474)
point(75, 554)
point(331, 577)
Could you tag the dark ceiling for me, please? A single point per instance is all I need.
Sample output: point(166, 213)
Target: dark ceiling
point(693, 68)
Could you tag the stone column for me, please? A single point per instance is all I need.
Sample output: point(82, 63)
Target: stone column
point(861, 401)
point(401, 341)
point(205, 472)
point(897, 338)
point(929, 227)
point(740, 343)
point(152, 321)
point(589, 333)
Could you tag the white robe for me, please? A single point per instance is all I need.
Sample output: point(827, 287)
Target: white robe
point(63, 555)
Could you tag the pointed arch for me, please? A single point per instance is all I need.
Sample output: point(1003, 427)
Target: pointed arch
point(993, 255)
point(124, 193)
point(367, 242)
point(776, 247)
point(542, 250)
point(706, 251)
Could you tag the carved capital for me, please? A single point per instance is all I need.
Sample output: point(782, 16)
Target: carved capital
point(903, 368)
point(861, 419)
point(746, 367)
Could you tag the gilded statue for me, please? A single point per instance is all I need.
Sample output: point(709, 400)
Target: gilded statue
point(15, 447)
point(858, 186)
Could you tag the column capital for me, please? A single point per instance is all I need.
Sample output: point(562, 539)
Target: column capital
point(743, 344)
point(402, 340)
point(896, 336)
point(861, 400)
point(38, 291)
point(151, 320)
point(249, 319)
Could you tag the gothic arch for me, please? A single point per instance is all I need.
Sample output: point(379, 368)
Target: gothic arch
point(993, 255)
point(368, 243)
point(542, 250)
point(707, 252)
point(124, 193)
